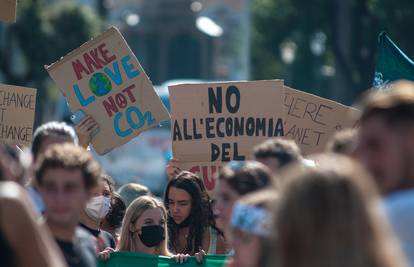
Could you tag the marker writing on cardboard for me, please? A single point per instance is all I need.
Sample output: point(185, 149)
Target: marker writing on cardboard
point(100, 85)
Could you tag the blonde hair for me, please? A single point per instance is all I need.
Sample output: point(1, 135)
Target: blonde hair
point(331, 215)
point(133, 213)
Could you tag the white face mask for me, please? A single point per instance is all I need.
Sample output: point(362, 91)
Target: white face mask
point(98, 207)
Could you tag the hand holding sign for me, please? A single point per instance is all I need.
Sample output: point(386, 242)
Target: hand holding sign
point(104, 78)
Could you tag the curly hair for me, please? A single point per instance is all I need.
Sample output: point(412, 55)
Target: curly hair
point(201, 215)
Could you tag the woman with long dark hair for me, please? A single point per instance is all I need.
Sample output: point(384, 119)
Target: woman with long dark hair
point(191, 224)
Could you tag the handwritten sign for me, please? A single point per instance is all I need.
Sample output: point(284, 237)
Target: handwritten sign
point(311, 120)
point(215, 123)
point(104, 79)
point(17, 111)
point(8, 10)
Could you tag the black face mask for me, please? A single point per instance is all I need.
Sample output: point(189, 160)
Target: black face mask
point(152, 235)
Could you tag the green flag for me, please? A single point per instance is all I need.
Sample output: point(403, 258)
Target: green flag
point(392, 63)
point(126, 259)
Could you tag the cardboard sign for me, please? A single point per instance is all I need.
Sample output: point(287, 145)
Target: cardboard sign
point(17, 111)
point(105, 80)
point(311, 120)
point(8, 10)
point(215, 123)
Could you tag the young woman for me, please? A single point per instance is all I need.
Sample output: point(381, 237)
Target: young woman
point(237, 179)
point(190, 217)
point(331, 215)
point(144, 230)
point(251, 227)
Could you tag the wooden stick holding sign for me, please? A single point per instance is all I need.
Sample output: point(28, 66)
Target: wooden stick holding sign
point(17, 113)
point(8, 10)
point(104, 79)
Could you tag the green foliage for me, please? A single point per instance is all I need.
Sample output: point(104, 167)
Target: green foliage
point(351, 28)
point(43, 33)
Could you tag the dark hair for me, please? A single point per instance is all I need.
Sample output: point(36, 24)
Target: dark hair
point(395, 105)
point(201, 215)
point(246, 176)
point(109, 181)
point(116, 212)
point(285, 151)
point(71, 157)
point(343, 142)
point(10, 160)
point(51, 129)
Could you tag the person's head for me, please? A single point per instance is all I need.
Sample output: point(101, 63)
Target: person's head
point(251, 224)
point(131, 191)
point(386, 136)
point(11, 164)
point(343, 142)
point(145, 227)
point(51, 133)
point(277, 153)
point(99, 204)
point(66, 175)
point(237, 179)
point(113, 220)
point(331, 215)
point(188, 205)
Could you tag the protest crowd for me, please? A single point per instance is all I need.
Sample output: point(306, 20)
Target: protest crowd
point(249, 183)
point(350, 205)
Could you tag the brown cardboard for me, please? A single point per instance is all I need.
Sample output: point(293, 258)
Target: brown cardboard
point(190, 106)
point(17, 111)
point(311, 120)
point(130, 107)
point(8, 10)
point(308, 119)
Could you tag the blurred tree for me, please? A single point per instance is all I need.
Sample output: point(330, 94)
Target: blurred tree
point(43, 33)
point(335, 42)
point(101, 7)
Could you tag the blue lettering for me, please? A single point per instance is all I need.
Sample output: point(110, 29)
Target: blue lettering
point(141, 118)
point(130, 70)
point(118, 130)
point(82, 100)
point(116, 75)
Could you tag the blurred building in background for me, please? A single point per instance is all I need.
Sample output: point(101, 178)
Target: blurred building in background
point(185, 39)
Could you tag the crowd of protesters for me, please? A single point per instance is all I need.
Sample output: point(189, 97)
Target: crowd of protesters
point(352, 205)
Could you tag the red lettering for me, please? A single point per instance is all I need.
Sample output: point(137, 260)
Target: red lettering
point(79, 68)
point(130, 94)
point(89, 62)
point(95, 56)
point(121, 100)
point(105, 52)
point(207, 173)
point(209, 181)
point(110, 106)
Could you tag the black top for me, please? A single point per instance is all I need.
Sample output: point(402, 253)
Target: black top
point(6, 254)
point(80, 252)
point(101, 236)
